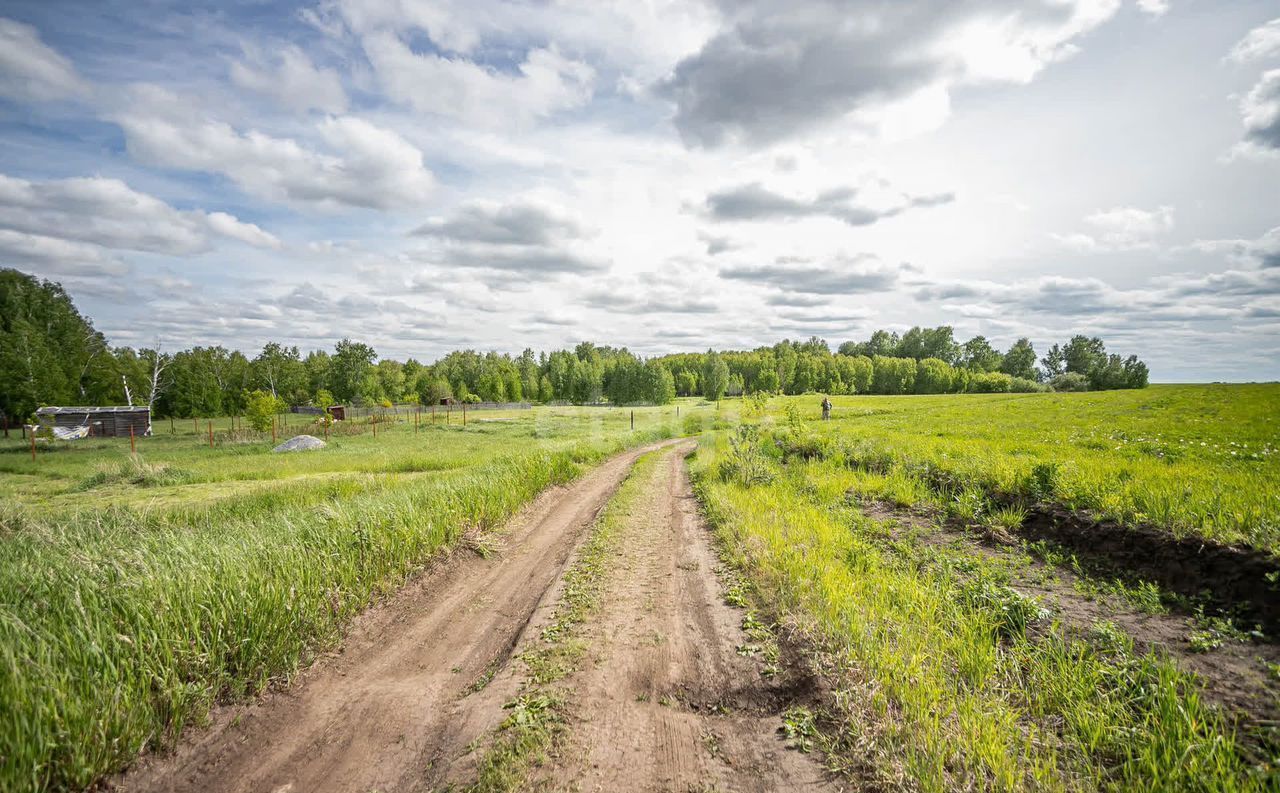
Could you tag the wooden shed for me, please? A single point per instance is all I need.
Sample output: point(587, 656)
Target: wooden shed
point(339, 412)
point(102, 421)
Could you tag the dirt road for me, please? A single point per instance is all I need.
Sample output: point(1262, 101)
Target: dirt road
point(666, 703)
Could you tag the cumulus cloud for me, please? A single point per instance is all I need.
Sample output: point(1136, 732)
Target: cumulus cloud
point(1263, 252)
point(522, 239)
point(30, 70)
point(755, 202)
point(1121, 229)
point(364, 165)
point(544, 83)
point(776, 69)
point(291, 80)
point(518, 223)
point(1260, 111)
point(57, 257)
point(1261, 42)
point(110, 214)
point(860, 274)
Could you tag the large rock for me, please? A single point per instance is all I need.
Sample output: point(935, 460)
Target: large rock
point(300, 443)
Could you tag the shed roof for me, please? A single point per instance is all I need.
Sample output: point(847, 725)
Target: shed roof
point(52, 410)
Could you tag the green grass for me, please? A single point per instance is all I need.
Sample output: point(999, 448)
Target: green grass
point(941, 681)
point(135, 594)
point(1194, 460)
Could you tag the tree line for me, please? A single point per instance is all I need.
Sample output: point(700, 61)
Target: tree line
point(51, 354)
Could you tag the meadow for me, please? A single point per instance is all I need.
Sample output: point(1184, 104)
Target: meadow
point(962, 656)
point(137, 591)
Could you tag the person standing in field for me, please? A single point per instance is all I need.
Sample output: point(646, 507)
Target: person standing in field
point(826, 408)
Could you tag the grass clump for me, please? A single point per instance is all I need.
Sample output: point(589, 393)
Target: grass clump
point(135, 471)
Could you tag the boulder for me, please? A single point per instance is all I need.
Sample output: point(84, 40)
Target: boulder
point(300, 443)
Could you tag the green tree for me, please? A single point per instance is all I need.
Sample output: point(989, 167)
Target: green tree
point(1054, 362)
point(49, 353)
point(349, 368)
point(978, 355)
point(715, 376)
point(261, 408)
point(1020, 360)
point(1084, 354)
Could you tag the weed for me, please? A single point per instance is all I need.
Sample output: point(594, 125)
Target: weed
point(799, 727)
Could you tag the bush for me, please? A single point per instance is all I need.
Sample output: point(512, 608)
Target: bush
point(261, 408)
point(990, 383)
point(893, 375)
point(934, 376)
point(1071, 381)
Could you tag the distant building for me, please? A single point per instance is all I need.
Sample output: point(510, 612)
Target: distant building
point(108, 422)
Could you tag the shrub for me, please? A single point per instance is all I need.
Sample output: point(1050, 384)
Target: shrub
point(893, 375)
point(990, 383)
point(261, 409)
point(934, 376)
point(1070, 381)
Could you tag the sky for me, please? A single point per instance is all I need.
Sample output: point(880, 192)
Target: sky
point(665, 176)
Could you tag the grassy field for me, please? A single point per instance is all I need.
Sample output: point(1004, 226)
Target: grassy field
point(138, 591)
point(948, 676)
point(1193, 460)
point(135, 592)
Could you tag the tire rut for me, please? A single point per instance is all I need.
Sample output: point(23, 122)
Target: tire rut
point(665, 702)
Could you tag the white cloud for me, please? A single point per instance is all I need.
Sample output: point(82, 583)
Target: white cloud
point(248, 233)
point(1261, 42)
point(365, 165)
point(293, 82)
point(1260, 112)
point(1155, 8)
point(57, 257)
point(1121, 229)
point(544, 83)
point(108, 213)
point(32, 71)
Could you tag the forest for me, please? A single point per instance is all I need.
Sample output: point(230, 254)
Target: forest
point(50, 354)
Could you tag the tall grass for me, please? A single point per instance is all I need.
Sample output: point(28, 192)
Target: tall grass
point(121, 625)
point(942, 686)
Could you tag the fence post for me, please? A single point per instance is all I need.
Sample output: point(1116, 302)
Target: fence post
point(195, 423)
point(173, 428)
point(633, 419)
point(464, 414)
point(374, 421)
point(326, 428)
point(133, 444)
point(433, 414)
point(33, 444)
point(273, 429)
point(417, 418)
point(211, 433)
point(6, 426)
